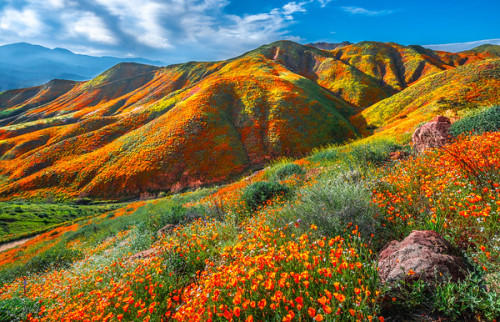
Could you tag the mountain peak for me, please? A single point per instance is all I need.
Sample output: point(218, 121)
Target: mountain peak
point(328, 45)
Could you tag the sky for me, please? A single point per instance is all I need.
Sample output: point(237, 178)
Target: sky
point(174, 31)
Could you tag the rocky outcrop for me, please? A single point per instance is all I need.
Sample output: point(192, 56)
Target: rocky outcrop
point(144, 254)
point(422, 255)
point(399, 155)
point(433, 134)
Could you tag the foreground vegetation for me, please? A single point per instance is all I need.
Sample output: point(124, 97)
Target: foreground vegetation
point(296, 241)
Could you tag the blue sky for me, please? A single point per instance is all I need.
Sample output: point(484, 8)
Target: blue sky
point(180, 30)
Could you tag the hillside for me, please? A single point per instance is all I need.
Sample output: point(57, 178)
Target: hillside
point(469, 86)
point(297, 241)
point(142, 127)
point(26, 65)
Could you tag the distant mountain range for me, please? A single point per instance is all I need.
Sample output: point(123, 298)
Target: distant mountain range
point(26, 65)
point(463, 46)
point(138, 128)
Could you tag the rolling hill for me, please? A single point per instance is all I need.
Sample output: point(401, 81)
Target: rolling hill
point(138, 129)
point(26, 65)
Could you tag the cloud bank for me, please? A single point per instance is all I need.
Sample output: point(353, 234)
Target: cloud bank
point(169, 30)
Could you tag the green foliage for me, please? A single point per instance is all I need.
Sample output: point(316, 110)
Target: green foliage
point(256, 194)
point(17, 309)
point(462, 300)
point(360, 154)
point(58, 257)
point(331, 204)
point(285, 170)
point(478, 122)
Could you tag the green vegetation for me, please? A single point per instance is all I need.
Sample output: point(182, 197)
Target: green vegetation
point(55, 257)
point(333, 203)
point(258, 193)
point(477, 121)
point(457, 301)
point(21, 219)
point(17, 309)
point(359, 154)
point(284, 170)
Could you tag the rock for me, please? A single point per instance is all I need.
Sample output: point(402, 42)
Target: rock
point(492, 282)
point(432, 134)
point(165, 230)
point(422, 255)
point(399, 155)
point(144, 254)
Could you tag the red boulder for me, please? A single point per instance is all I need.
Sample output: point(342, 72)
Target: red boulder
point(422, 255)
point(432, 134)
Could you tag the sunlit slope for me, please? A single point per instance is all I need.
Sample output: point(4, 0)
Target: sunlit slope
point(469, 86)
point(200, 129)
point(138, 128)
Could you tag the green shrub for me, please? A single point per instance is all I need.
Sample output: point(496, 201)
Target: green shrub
point(256, 194)
point(288, 169)
point(331, 204)
point(82, 232)
point(374, 152)
point(487, 120)
point(467, 298)
point(17, 309)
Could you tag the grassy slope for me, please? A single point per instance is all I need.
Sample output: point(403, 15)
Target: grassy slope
point(21, 218)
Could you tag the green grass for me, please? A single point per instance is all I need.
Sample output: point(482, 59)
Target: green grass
point(20, 219)
point(358, 154)
point(477, 121)
point(16, 309)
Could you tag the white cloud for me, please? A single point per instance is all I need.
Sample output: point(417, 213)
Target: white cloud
point(324, 3)
point(292, 7)
point(90, 26)
point(184, 29)
point(366, 12)
point(23, 23)
point(141, 19)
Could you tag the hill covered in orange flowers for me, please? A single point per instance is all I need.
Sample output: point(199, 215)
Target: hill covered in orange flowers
point(141, 129)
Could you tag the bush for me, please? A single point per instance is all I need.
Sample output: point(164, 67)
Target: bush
point(286, 170)
point(374, 152)
point(487, 120)
point(331, 204)
point(328, 154)
point(256, 194)
point(466, 300)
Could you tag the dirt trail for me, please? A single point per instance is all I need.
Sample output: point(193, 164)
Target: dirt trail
point(14, 243)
